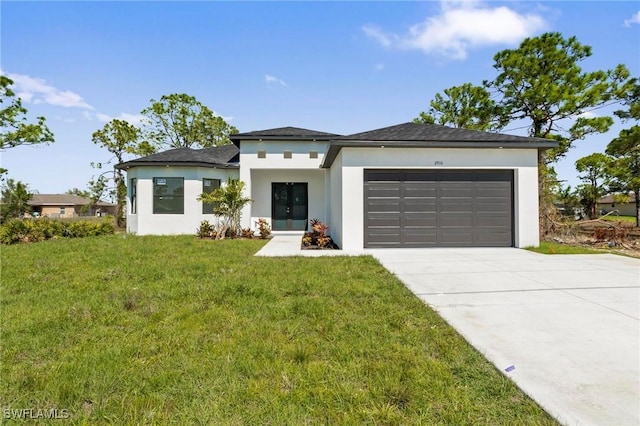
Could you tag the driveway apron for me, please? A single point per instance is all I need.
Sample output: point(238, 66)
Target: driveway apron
point(564, 328)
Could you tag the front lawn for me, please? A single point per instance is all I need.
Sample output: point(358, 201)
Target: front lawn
point(158, 330)
point(548, 247)
point(615, 218)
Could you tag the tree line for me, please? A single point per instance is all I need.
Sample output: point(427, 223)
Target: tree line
point(539, 86)
point(173, 121)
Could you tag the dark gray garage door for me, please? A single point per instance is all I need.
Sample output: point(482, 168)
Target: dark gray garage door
point(445, 208)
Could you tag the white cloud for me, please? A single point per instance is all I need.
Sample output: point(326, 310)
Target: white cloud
point(65, 119)
point(586, 114)
point(376, 33)
point(225, 118)
point(635, 19)
point(272, 80)
point(135, 119)
point(461, 26)
point(103, 117)
point(378, 67)
point(36, 90)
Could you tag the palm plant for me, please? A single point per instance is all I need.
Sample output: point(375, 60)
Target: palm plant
point(228, 201)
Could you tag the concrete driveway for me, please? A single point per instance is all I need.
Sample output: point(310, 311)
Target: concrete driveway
point(568, 324)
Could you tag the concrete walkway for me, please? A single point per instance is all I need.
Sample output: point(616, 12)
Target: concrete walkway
point(565, 328)
point(290, 245)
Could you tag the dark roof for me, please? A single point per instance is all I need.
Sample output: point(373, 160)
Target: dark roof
point(414, 135)
point(283, 133)
point(63, 200)
point(436, 133)
point(611, 199)
point(225, 156)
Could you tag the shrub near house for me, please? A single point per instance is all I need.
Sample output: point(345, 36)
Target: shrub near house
point(34, 230)
point(317, 237)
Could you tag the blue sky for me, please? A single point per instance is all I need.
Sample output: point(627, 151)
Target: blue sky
point(341, 67)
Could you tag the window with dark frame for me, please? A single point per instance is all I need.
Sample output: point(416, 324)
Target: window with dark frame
point(262, 154)
point(168, 195)
point(208, 186)
point(313, 154)
point(133, 200)
point(288, 154)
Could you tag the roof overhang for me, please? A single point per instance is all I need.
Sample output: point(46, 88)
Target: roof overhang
point(236, 141)
point(130, 164)
point(336, 145)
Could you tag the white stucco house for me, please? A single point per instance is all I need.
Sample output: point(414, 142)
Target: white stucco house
point(409, 185)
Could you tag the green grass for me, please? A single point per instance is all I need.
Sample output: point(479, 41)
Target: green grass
point(614, 218)
point(176, 330)
point(547, 247)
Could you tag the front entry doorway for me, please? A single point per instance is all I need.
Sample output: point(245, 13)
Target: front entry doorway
point(289, 206)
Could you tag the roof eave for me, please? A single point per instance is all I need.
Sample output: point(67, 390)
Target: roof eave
point(130, 164)
point(283, 138)
point(336, 145)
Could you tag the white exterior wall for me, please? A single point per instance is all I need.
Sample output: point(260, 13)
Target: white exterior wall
point(355, 160)
point(334, 198)
point(261, 192)
point(147, 223)
point(259, 173)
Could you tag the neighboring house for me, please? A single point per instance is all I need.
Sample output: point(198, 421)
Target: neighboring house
point(410, 185)
point(608, 203)
point(67, 205)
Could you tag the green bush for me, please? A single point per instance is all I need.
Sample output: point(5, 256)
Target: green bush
point(205, 230)
point(88, 229)
point(33, 230)
point(14, 231)
point(49, 228)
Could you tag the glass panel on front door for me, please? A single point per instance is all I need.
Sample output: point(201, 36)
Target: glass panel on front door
point(289, 206)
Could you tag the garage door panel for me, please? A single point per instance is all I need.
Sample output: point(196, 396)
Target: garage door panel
point(384, 237)
point(456, 220)
point(385, 221)
point(497, 192)
point(383, 206)
point(383, 191)
point(417, 220)
point(456, 206)
point(420, 192)
point(455, 191)
point(415, 208)
point(420, 205)
point(418, 238)
point(491, 221)
point(453, 236)
point(492, 239)
point(493, 210)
